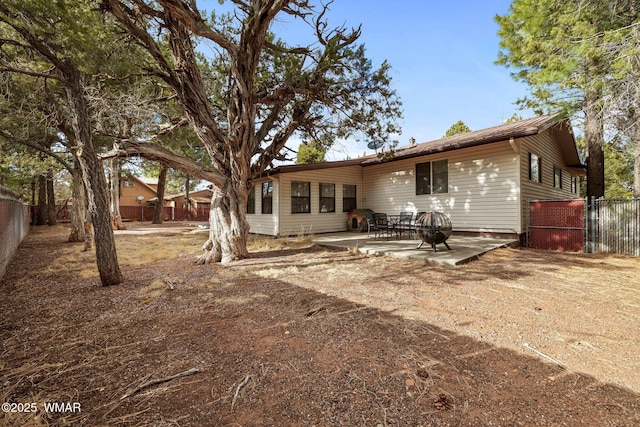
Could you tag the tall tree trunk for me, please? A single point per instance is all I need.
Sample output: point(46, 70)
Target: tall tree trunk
point(42, 200)
point(158, 210)
point(114, 194)
point(95, 182)
point(187, 183)
point(51, 200)
point(34, 185)
point(187, 198)
point(228, 224)
point(594, 137)
point(79, 206)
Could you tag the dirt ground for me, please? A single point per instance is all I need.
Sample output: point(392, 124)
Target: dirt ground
point(299, 335)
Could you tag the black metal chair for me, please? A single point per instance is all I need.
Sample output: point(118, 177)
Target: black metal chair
point(371, 222)
point(382, 225)
point(405, 223)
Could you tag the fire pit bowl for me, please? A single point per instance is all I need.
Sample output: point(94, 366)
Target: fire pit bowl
point(433, 228)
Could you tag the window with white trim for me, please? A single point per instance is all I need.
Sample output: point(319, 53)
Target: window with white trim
point(535, 167)
point(300, 197)
point(327, 197)
point(432, 177)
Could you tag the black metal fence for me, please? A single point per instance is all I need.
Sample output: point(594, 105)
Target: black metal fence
point(615, 226)
point(590, 225)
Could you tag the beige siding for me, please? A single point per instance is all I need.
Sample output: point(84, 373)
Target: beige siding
point(265, 223)
point(317, 222)
point(483, 188)
point(543, 146)
point(487, 189)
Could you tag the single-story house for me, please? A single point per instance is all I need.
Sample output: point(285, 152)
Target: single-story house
point(138, 196)
point(198, 198)
point(482, 180)
point(141, 190)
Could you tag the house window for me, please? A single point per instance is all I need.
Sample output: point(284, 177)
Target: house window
point(574, 184)
point(557, 177)
point(535, 168)
point(267, 197)
point(251, 201)
point(128, 183)
point(432, 177)
point(348, 197)
point(300, 197)
point(327, 197)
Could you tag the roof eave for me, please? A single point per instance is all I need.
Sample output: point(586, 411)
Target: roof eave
point(312, 166)
point(454, 146)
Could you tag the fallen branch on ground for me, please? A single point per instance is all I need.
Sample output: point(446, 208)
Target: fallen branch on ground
point(529, 346)
point(242, 384)
point(160, 381)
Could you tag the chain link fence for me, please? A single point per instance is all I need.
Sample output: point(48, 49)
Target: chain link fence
point(557, 225)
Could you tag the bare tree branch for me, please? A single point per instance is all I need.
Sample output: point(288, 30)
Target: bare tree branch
point(44, 150)
point(158, 153)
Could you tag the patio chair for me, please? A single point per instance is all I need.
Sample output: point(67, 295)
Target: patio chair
point(371, 222)
point(382, 225)
point(405, 223)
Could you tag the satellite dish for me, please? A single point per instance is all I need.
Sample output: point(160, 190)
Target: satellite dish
point(374, 145)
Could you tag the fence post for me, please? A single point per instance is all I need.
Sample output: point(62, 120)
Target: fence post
point(593, 224)
point(528, 221)
point(587, 225)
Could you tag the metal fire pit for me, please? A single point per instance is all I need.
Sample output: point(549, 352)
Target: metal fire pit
point(433, 228)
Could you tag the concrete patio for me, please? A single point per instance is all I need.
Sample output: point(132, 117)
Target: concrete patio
point(463, 248)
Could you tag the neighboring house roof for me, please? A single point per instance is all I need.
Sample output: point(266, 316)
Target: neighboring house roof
point(193, 195)
point(561, 128)
point(201, 199)
point(147, 180)
point(144, 181)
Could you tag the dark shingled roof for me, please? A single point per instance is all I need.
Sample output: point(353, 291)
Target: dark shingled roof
point(560, 127)
point(315, 166)
point(503, 132)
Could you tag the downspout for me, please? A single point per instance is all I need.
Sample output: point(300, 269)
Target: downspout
point(277, 194)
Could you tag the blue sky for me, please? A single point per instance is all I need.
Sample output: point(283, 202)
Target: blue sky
point(442, 55)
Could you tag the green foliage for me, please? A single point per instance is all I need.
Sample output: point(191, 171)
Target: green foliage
point(326, 91)
point(561, 49)
point(618, 172)
point(311, 152)
point(457, 128)
point(515, 118)
point(577, 56)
